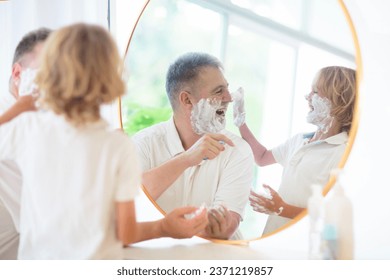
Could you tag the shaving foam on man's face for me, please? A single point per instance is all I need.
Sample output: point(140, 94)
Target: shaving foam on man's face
point(208, 113)
point(29, 63)
point(320, 112)
point(208, 116)
point(27, 85)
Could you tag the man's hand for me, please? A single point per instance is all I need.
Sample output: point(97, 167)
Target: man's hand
point(222, 223)
point(176, 225)
point(208, 147)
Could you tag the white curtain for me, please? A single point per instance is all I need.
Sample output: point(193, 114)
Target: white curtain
point(17, 17)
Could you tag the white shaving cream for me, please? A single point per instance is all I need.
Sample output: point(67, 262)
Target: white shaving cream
point(27, 85)
point(263, 192)
point(196, 212)
point(320, 116)
point(204, 117)
point(262, 209)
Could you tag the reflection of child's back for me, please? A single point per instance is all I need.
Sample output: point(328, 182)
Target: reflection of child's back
point(74, 168)
point(70, 162)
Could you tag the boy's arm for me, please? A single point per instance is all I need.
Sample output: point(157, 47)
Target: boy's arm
point(174, 224)
point(262, 155)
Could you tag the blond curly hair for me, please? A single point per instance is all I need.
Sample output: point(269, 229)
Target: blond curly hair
point(80, 70)
point(338, 84)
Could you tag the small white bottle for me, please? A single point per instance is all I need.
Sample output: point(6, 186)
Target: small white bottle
point(315, 208)
point(338, 227)
point(329, 243)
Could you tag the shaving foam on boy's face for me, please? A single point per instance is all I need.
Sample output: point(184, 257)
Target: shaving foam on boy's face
point(208, 116)
point(320, 112)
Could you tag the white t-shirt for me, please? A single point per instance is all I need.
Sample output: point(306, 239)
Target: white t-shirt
point(71, 181)
point(9, 237)
point(226, 180)
point(6, 101)
point(10, 188)
point(304, 164)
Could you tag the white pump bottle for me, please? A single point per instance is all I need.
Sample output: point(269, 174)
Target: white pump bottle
point(338, 223)
point(315, 207)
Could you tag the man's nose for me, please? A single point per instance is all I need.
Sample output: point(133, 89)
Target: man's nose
point(227, 97)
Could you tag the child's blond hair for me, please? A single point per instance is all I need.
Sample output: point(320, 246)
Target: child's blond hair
point(80, 70)
point(338, 84)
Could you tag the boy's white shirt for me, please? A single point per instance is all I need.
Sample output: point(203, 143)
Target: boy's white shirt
point(72, 179)
point(10, 188)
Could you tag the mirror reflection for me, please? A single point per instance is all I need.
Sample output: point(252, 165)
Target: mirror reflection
point(272, 49)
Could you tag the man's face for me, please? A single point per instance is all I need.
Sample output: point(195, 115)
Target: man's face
point(210, 100)
point(23, 71)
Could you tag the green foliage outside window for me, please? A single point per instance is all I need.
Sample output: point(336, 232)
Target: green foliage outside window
point(139, 117)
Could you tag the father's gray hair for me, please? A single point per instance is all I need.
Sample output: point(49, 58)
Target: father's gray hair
point(184, 72)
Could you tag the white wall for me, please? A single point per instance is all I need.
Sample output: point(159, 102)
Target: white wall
point(368, 168)
point(17, 17)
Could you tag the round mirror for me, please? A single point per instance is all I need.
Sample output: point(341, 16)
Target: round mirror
point(272, 49)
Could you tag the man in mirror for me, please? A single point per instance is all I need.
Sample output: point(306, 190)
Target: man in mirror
point(19, 100)
point(191, 159)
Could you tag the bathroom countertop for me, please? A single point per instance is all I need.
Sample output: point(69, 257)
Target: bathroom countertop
point(290, 244)
point(200, 249)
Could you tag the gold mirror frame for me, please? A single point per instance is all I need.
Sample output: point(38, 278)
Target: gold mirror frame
point(352, 133)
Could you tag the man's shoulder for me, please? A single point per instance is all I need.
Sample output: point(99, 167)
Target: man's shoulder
point(239, 143)
point(152, 132)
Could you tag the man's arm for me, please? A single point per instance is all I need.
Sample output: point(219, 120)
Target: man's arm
point(23, 104)
point(232, 193)
point(158, 179)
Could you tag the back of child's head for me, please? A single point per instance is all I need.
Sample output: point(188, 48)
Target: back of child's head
point(80, 70)
point(338, 84)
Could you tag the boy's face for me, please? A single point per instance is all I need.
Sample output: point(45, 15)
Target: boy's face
point(319, 107)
